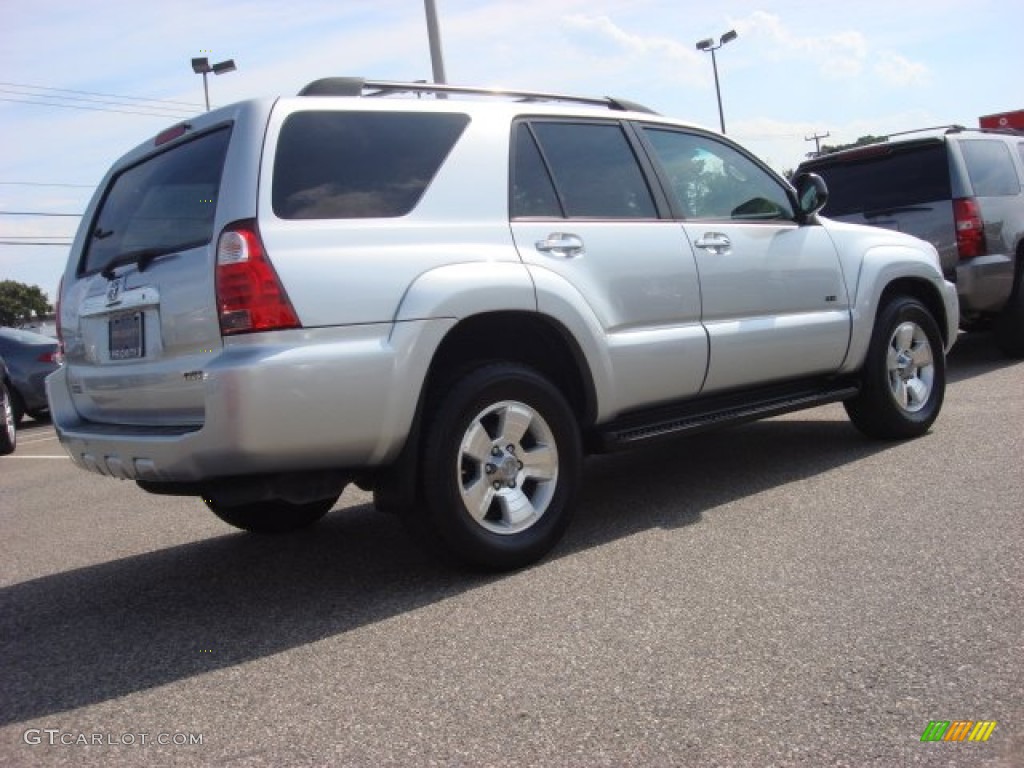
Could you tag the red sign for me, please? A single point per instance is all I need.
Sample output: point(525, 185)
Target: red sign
point(1004, 120)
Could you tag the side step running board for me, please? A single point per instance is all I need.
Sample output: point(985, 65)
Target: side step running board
point(634, 430)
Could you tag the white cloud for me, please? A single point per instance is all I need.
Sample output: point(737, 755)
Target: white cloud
point(898, 71)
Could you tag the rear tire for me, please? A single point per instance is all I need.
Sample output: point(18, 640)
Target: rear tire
point(904, 377)
point(8, 424)
point(271, 517)
point(1009, 327)
point(501, 466)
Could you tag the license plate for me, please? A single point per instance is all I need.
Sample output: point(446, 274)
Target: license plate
point(127, 337)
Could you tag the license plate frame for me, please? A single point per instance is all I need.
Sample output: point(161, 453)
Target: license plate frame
point(126, 336)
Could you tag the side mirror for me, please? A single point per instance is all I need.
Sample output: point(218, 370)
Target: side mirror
point(811, 193)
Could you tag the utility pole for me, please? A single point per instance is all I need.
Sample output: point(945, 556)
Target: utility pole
point(816, 138)
point(434, 36)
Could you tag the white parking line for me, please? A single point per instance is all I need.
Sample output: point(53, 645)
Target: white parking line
point(33, 440)
point(35, 457)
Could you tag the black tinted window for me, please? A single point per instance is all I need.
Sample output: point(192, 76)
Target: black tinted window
point(355, 165)
point(990, 167)
point(533, 193)
point(712, 180)
point(166, 202)
point(595, 170)
point(885, 178)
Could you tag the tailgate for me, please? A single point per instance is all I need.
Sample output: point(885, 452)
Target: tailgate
point(139, 319)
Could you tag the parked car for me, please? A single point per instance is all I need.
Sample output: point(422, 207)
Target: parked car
point(960, 189)
point(8, 427)
point(450, 301)
point(31, 357)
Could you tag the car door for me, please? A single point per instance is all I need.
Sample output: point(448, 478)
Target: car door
point(588, 225)
point(774, 300)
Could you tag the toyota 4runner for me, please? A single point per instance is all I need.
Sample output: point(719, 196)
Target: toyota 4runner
point(451, 301)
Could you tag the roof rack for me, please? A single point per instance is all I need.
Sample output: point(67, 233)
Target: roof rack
point(357, 86)
point(952, 128)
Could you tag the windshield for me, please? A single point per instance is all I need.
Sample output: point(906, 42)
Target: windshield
point(164, 204)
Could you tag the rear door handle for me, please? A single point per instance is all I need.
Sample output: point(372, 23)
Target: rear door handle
point(714, 242)
point(562, 244)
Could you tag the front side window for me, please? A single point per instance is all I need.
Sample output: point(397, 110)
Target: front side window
point(165, 204)
point(358, 165)
point(990, 167)
point(595, 170)
point(711, 180)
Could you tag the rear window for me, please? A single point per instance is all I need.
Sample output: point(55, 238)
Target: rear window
point(356, 165)
point(874, 183)
point(990, 167)
point(165, 203)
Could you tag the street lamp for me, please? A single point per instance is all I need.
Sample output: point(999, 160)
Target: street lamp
point(201, 66)
point(709, 45)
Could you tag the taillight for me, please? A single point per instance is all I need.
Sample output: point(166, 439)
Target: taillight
point(47, 357)
point(970, 229)
point(250, 296)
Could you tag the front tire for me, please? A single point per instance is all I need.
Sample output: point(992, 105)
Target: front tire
point(501, 467)
point(904, 376)
point(271, 517)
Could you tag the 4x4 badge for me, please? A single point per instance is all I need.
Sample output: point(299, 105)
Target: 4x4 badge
point(114, 290)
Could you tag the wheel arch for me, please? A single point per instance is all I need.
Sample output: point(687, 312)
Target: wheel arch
point(925, 292)
point(523, 337)
point(528, 338)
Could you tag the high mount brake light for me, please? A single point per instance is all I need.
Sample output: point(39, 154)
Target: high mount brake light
point(250, 296)
point(171, 134)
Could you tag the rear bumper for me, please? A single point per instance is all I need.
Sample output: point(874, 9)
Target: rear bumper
point(983, 284)
point(283, 402)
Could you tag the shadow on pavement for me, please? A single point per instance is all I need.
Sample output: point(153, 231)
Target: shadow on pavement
point(975, 354)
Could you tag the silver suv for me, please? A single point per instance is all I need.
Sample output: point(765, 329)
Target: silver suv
point(450, 301)
point(960, 189)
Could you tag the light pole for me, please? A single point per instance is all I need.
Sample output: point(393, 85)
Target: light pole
point(434, 39)
point(201, 66)
point(709, 45)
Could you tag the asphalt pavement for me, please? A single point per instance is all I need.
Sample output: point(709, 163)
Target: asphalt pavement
point(785, 593)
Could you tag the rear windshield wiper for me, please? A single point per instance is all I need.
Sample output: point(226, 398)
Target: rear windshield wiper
point(895, 209)
point(141, 256)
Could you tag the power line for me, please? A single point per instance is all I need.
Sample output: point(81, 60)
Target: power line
point(38, 213)
point(164, 115)
point(94, 93)
point(173, 110)
point(23, 242)
point(46, 184)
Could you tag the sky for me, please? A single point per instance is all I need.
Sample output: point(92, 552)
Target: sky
point(795, 70)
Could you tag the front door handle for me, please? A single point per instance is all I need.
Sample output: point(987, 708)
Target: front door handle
point(561, 244)
point(714, 242)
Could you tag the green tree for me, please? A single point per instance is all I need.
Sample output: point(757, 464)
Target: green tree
point(827, 149)
point(20, 303)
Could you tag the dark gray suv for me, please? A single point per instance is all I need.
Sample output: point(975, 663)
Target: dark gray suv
point(961, 190)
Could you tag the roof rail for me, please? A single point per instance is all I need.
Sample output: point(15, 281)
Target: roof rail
point(357, 86)
point(952, 128)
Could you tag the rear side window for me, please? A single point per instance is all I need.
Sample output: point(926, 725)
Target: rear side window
point(166, 203)
point(595, 171)
point(990, 167)
point(876, 183)
point(357, 165)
